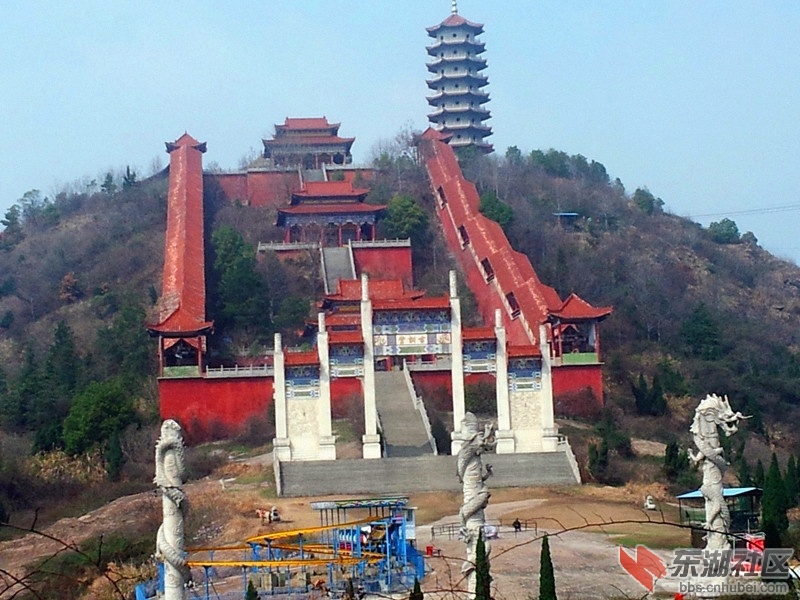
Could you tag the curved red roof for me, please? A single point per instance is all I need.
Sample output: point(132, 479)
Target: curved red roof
point(182, 306)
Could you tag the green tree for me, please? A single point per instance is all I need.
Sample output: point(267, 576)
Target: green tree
point(791, 482)
point(483, 578)
point(129, 179)
point(102, 409)
point(12, 234)
point(241, 292)
point(108, 186)
point(124, 349)
point(724, 232)
point(646, 202)
point(743, 472)
point(758, 476)
point(774, 502)
point(492, 208)
point(701, 335)
point(405, 218)
point(252, 592)
point(674, 462)
point(598, 460)
point(416, 592)
point(114, 457)
point(547, 576)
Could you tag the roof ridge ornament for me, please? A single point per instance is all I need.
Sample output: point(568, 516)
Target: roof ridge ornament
point(454, 8)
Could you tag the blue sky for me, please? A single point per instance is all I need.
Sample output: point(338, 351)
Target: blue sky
point(698, 101)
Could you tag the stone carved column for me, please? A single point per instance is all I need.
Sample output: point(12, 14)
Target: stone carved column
point(170, 471)
point(472, 475)
point(371, 444)
point(457, 362)
point(327, 441)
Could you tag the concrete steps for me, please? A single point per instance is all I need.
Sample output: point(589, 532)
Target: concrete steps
point(406, 475)
point(337, 265)
point(403, 429)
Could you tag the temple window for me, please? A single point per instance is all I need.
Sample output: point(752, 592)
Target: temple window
point(442, 198)
point(488, 271)
point(513, 304)
point(462, 232)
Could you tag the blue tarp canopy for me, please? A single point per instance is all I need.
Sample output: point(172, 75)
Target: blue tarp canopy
point(726, 493)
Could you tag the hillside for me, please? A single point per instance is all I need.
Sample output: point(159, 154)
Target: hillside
point(695, 310)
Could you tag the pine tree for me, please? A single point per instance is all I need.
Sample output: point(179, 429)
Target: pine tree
point(483, 578)
point(547, 577)
point(416, 593)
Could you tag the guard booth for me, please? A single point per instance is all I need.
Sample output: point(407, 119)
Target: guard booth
point(744, 504)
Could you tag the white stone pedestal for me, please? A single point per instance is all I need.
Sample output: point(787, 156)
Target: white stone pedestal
point(371, 446)
point(282, 449)
point(505, 442)
point(327, 447)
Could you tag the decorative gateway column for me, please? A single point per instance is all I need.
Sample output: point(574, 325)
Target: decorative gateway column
point(471, 474)
point(371, 441)
point(170, 470)
point(457, 366)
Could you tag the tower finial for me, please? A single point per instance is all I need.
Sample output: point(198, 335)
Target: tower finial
point(454, 9)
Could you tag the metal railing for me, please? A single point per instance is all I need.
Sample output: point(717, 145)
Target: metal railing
point(420, 406)
point(240, 371)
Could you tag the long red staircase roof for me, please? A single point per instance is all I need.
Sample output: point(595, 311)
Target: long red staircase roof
point(182, 306)
point(512, 270)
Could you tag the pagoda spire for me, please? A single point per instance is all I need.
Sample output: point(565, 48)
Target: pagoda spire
point(454, 8)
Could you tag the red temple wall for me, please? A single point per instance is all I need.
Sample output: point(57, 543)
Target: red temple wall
point(571, 386)
point(384, 263)
point(208, 408)
point(345, 390)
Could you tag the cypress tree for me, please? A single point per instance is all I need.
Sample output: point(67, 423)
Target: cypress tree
point(758, 476)
point(791, 482)
point(774, 503)
point(252, 593)
point(547, 577)
point(416, 593)
point(483, 579)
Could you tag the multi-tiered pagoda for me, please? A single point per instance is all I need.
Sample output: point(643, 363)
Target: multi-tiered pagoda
point(457, 82)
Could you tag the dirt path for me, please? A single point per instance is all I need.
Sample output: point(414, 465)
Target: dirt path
point(586, 562)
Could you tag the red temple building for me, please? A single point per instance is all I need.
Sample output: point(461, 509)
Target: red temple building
point(308, 143)
point(303, 150)
point(330, 213)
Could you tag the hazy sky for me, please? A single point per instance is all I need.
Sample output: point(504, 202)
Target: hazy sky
point(698, 101)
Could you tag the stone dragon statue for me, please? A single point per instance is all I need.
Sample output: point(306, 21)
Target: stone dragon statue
point(472, 475)
point(713, 413)
point(170, 471)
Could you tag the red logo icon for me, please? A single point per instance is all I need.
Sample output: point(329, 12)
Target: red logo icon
point(644, 566)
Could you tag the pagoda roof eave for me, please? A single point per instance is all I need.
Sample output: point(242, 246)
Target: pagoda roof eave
point(476, 80)
point(481, 46)
point(575, 308)
point(477, 62)
point(481, 97)
point(436, 302)
point(454, 20)
point(303, 140)
point(336, 209)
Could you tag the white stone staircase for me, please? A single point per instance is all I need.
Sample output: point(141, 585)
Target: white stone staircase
point(403, 428)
